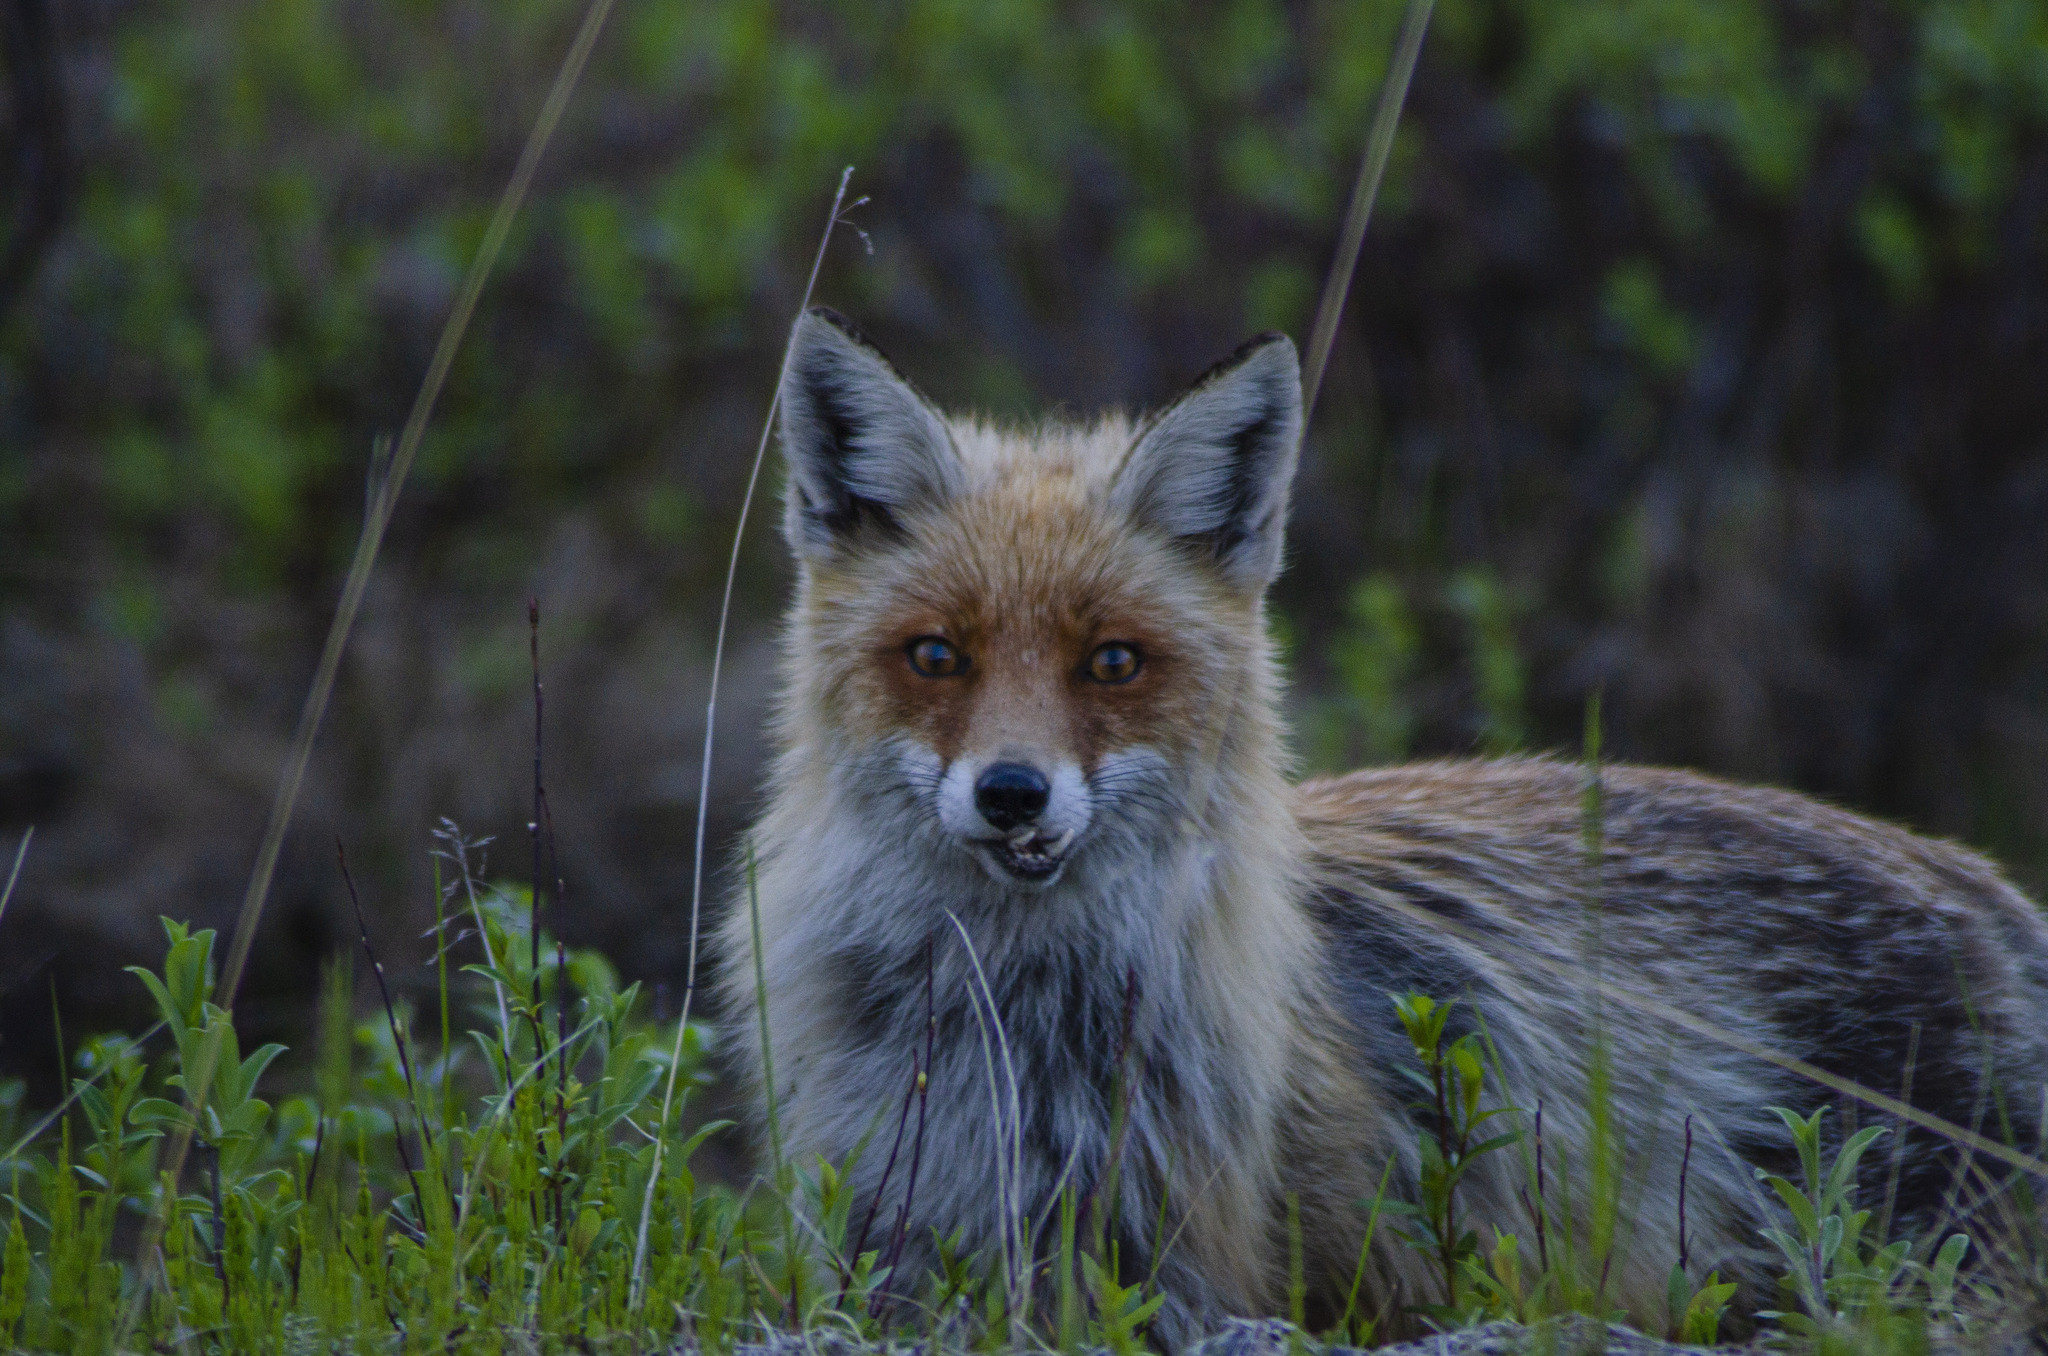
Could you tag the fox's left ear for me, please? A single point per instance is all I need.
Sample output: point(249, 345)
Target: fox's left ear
point(1213, 468)
point(864, 448)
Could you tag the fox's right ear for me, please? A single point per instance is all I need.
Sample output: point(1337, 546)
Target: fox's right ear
point(1212, 469)
point(862, 444)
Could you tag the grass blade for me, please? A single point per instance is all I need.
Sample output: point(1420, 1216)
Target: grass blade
point(1365, 192)
point(14, 874)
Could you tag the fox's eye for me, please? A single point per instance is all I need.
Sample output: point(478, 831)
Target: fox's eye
point(935, 658)
point(1115, 662)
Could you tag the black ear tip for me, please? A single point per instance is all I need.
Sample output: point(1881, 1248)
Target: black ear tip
point(835, 320)
point(825, 315)
point(1245, 352)
point(822, 329)
point(846, 329)
point(821, 326)
point(1271, 342)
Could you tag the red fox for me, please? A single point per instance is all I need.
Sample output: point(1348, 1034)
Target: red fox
point(1031, 846)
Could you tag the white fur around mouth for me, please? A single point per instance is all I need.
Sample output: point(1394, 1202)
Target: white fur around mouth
point(1029, 855)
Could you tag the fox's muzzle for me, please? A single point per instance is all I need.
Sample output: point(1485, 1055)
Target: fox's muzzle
point(1014, 814)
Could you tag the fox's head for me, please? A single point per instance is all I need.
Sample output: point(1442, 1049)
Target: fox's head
point(1028, 652)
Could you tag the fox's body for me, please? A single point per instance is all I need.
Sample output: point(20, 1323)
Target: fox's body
point(1030, 833)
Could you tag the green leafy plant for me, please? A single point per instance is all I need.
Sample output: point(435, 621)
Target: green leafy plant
point(1696, 1311)
point(232, 1117)
point(1852, 1292)
point(314, 1221)
point(1121, 1311)
point(1452, 1081)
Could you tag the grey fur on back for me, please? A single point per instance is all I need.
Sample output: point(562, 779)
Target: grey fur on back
point(1905, 965)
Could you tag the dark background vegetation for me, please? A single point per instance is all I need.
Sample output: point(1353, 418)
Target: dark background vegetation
point(1699, 353)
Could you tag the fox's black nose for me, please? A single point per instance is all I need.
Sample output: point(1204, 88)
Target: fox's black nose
point(1010, 794)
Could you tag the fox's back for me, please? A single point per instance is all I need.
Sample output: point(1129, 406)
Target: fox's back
point(1784, 924)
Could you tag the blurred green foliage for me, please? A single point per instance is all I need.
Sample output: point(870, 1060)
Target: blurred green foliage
point(1499, 683)
point(1370, 716)
point(274, 202)
point(1370, 719)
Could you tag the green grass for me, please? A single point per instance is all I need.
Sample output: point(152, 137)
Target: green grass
point(413, 1201)
point(482, 1188)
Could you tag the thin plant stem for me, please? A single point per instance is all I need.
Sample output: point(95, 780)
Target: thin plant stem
point(57, 1035)
point(779, 1167)
point(1601, 1129)
point(542, 830)
point(860, 1240)
point(1684, 1169)
point(1297, 1283)
point(1159, 1220)
point(313, 1171)
point(1372, 1223)
point(1542, 1209)
point(441, 971)
point(220, 1224)
point(1016, 1240)
point(1068, 1323)
point(533, 827)
point(449, 834)
point(390, 481)
point(931, 1035)
point(397, 1036)
point(562, 1039)
point(14, 874)
point(1365, 192)
point(636, 1290)
point(1891, 1184)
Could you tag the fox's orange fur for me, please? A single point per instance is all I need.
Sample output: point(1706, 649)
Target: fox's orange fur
point(1030, 834)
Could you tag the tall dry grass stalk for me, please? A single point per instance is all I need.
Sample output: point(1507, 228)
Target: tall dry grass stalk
point(14, 872)
point(1365, 192)
point(1006, 1109)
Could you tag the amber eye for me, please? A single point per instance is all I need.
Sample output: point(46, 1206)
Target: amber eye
point(1115, 662)
point(935, 658)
